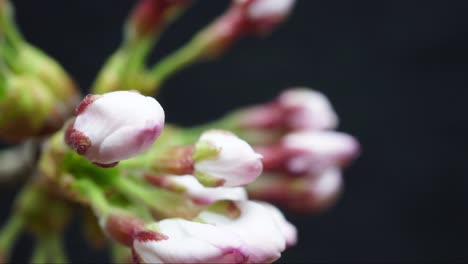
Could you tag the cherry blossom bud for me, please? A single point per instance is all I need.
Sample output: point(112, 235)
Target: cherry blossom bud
point(200, 194)
point(314, 151)
point(189, 242)
point(309, 193)
point(115, 126)
point(149, 15)
point(262, 237)
point(307, 109)
point(223, 159)
point(265, 15)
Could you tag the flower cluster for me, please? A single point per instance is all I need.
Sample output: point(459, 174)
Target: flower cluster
point(153, 191)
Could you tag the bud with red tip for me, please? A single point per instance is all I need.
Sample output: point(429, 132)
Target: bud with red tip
point(115, 126)
point(243, 17)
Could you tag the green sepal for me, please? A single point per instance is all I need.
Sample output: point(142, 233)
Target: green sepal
point(204, 151)
point(208, 180)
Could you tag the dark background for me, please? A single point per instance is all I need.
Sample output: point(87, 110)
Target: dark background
point(396, 72)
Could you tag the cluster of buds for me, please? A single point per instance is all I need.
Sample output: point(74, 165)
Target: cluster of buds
point(304, 157)
point(169, 194)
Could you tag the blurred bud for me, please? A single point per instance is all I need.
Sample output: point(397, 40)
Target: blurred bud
point(200, 194)
point(149, 16)
point(265, 15)
point(262, 237)
point(309, 193)
point(18, 161)
point(188, 242)
point(223, 159)
point(307, 109)
point(315, 151)
point(27, 109)
point(114, 126)
point(243, 17)
point(33, 61)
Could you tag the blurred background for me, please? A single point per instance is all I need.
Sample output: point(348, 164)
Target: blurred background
point(395, 71)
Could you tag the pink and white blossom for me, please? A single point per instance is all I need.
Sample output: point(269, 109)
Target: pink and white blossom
point(115, 126)
point(307, 109)
point(223, 159)
point(311, 151)
point(263, 237)
point(189, 242)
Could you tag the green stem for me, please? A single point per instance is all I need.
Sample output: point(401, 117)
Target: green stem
point(95, 196)
point(163, 202)
point(9, 234)
point(40, 254)
point(56, 249)
point(181, 58)
point(8, 25)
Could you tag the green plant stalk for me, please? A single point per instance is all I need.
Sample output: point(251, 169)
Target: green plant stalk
point(8, 25)
point(178, 60)
point(9, 234)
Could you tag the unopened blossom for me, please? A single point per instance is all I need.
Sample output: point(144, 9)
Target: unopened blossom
point(223, 159)
point(310, 151)
point(308, 193)
point(265, 15)
point(307, 109)
point(200, 194)
point(115, 126)
point(262, 235)
point(188, 242)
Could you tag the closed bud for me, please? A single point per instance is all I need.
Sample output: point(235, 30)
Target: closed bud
point(306, 194)
point(265, 15)
point(257, 226)
point(188, 242)
point(310, 151)
point(307, 109)
point(223, 159)
point(114, 126)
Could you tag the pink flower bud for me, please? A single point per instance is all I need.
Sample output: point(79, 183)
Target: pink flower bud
point(189, 242)
point(262, 237)
point(307, 109)
point(115, 126)
point(314, 151)
point(309, 193)
point(198, 193)
point(221, 158)
point(265, 15)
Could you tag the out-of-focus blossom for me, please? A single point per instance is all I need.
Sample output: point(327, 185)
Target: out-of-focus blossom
point(115, 126)
point(200, 194)
point(308, 193)
point(315, 151)
point(264, 15)
point(293, 109)
point(223, 159)
point(307, 109)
